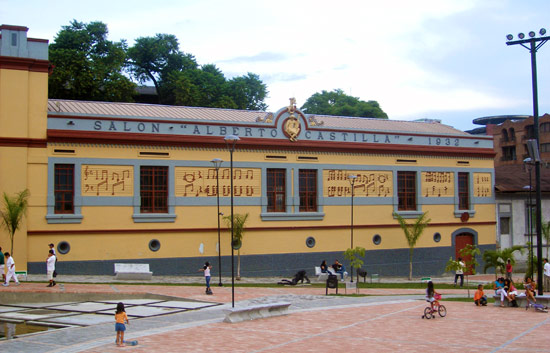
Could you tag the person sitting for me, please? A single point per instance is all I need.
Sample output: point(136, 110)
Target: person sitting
point(339, 268)
point(499, 290)
point(324, 266)
point(512, 292)
point(530, 287)
point(479, 297)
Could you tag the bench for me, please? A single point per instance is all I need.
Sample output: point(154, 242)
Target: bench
point(425, 279)
point(21, 273)
point(522, 300)
point(374, 277)
point(133, 271)
point(255, 312)
point(323, 276)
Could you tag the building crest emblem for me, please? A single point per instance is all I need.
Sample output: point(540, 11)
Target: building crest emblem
point(292, 124)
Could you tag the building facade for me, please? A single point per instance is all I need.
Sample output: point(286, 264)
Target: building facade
point(123, 182)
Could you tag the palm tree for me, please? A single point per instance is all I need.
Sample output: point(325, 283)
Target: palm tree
point(413, 233)
point(13, 211)
point(498, 258)
point(239, 221)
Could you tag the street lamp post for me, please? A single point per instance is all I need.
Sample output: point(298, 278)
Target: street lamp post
point(217, 164)
point(230, 141)
point(533, 44)
point(352, 179)
point(529, 163)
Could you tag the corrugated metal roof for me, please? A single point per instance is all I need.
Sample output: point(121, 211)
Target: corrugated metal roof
point(151, 111)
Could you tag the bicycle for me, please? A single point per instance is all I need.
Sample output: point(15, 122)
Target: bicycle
point(437, 308)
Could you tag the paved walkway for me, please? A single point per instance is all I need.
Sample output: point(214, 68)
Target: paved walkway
point(386, 320)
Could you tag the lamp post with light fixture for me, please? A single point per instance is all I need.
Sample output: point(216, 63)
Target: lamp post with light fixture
point(231, 141)
point(533, 44)
point(217, 164)
point(351, 179)
point(527, 162)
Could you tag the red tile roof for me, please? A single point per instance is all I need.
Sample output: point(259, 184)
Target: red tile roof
point(514, 177)
point(138, 110)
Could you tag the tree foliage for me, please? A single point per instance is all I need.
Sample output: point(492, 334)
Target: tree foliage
point(87, 66)
point(155, 58)
point(497, 258)
point(239, 221)
point(354, 257)
point(14, 208)
point(180, 80)
point(412, 233)
point(90, 67)
point(338, 103)
point(469, 253)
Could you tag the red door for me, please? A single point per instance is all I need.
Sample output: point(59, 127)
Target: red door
point(461, 241)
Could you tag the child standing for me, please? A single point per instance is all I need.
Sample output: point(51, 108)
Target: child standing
point(479, 297)
point(10, 264)
point(206, 268)
point(120, 319)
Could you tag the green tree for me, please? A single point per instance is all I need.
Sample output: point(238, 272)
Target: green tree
point(412, 233)
point(155, 58)
point(354, 257)
point(14, 208)
point(469, 254)
point(87, 66)
point(204, 87)
point(239, 221)
point(248, 92)
point(497, 259)
point(338, 103)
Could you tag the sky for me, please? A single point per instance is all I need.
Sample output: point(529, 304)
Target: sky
point(436, 59)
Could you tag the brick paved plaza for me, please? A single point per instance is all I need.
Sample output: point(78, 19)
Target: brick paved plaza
point(387, 320)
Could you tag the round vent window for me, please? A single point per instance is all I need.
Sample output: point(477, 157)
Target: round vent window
point(154, 245)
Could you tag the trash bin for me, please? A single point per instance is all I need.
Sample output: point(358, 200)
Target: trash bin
point(332, 282)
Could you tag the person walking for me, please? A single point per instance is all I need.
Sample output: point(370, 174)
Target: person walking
point(10, 264)
point(50, 267)
point(546, 270)
point(206, 269)
point(460, 272)
point(2, 266)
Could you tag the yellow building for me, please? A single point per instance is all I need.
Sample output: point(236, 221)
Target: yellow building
point(124, 182)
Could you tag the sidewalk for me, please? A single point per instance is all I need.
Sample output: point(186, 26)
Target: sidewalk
point(481, 278)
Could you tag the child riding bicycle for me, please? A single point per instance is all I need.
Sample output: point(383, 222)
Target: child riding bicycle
point(432, 296)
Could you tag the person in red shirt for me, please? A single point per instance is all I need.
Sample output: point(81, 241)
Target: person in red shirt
point(509, 269)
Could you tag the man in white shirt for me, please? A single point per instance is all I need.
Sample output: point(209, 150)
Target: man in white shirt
point(50, 268)
point(10, 264)
point(460, 272)
point(546, 284)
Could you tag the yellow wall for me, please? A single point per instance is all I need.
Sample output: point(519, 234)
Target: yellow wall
point(23, 115)
point(264, 238)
